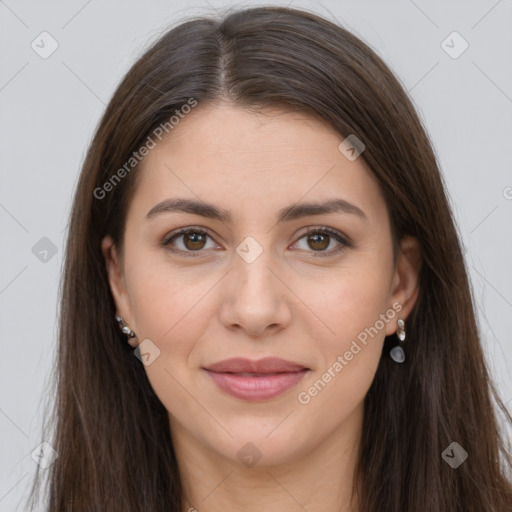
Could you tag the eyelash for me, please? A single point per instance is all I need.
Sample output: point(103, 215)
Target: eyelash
point(343, 241)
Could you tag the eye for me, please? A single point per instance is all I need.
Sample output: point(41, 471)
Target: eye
point(192, 240)
point(319, 239)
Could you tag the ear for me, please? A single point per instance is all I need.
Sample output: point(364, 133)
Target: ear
point(405, 285)
point(117, 284)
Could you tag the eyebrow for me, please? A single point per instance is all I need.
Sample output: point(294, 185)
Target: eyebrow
point(289, 213)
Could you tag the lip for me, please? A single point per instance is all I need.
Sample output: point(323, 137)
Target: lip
point(256, 380)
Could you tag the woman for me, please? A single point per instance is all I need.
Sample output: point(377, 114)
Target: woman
point(265, 304)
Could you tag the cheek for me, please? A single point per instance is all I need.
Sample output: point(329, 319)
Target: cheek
point(355, 308)
point(168, 303)
point(350, 302)
point(169, 308)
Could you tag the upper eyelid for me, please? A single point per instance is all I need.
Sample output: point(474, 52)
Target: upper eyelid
point(183, 231)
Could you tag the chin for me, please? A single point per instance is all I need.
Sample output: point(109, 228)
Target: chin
point(264, 443)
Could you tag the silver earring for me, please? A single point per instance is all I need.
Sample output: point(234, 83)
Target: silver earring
point(126, 330)
point(397, 353)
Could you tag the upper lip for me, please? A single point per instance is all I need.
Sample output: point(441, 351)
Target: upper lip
point(265, 365)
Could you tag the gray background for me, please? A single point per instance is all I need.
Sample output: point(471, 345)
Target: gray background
point(50, 107)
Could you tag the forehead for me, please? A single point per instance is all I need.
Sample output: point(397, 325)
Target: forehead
point(254, 160)
point(264, 137)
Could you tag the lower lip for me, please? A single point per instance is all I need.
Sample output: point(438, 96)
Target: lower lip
point(256, 387)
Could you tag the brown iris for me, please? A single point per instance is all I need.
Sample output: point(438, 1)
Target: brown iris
point(194, 241)
point(318, 238)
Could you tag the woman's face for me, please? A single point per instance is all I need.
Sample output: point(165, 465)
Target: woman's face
point(248, 282)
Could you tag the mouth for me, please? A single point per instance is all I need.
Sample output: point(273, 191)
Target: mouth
point(255, 380)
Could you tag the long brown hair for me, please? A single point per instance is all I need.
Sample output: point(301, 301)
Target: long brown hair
point(110, 430)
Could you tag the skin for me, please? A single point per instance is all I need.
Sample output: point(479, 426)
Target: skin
point(290, 302)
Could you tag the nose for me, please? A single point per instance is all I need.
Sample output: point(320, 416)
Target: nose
point(256, 299)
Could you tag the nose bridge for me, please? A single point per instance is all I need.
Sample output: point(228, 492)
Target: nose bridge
point(252, 265)
point(255, 298)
